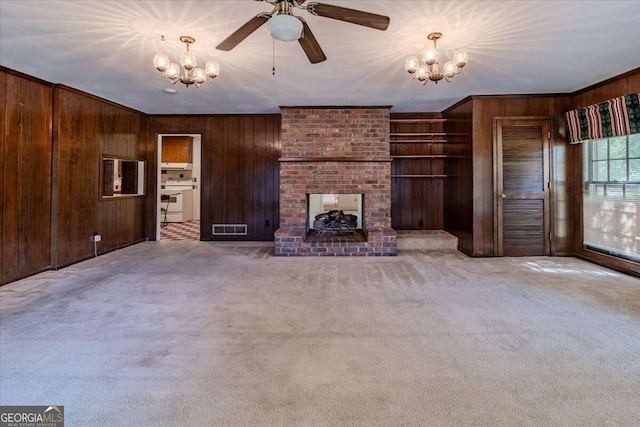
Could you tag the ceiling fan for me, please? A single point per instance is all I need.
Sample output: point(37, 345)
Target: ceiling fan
point(284, 25)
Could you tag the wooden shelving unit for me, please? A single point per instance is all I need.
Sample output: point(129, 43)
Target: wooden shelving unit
point(418, 141)
point(418, 156)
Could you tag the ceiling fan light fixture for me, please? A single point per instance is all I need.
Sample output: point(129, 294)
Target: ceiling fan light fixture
point(286, 28)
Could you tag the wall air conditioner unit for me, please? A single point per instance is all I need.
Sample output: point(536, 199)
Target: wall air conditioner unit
point(177, 166)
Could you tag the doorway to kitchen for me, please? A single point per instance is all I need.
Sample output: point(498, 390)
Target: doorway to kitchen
point(178, 181)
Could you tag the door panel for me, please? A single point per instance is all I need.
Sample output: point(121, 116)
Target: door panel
point(522, 175)
point(523, 225)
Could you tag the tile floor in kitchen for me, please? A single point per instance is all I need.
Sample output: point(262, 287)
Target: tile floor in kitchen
point(189, 230)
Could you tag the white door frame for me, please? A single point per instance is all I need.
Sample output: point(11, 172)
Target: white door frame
point(195, 173)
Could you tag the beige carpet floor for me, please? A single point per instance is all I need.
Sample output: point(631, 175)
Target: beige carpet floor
point(199, 334)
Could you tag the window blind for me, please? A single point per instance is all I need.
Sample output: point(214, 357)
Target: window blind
point(611, 197)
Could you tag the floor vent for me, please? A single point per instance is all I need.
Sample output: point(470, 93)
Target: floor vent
point(229, 229)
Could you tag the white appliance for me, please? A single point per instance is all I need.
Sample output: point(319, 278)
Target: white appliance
point(176, 201)
point(177, 166)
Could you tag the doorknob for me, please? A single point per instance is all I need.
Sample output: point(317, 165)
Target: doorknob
point(503, 196)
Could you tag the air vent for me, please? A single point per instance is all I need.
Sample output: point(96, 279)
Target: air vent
point(229, 229)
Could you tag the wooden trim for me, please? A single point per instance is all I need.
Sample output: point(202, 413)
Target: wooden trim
point(335, 159)
point(206, 116)
point(335, 107)
point(95, 98)
point(607, 82)
point(419, 176)
point(417, 134)
point(418, 120)
point(55, 177)
point(419, 156)
point(416, 115)
point(498, 235)
point(25, 76)
point(457, 104)
point(609, 261)
point(419, 141)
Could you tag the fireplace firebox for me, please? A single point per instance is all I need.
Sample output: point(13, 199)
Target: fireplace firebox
point(334, 214)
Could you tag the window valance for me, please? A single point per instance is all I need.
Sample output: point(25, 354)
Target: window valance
point(615, 117)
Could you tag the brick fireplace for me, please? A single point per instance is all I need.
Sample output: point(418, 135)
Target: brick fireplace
point(335, 150)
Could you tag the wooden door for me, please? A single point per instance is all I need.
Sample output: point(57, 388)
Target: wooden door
point(522, 187)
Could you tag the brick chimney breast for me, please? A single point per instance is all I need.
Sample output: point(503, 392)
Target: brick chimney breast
point(335, 150)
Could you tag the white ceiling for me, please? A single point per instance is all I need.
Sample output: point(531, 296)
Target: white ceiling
point(515, 47)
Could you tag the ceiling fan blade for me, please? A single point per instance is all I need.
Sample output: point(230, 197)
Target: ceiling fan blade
point(371, 20)
point(310, 45)
point(243, 32)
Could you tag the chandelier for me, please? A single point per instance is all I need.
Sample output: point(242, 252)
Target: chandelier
point(192, 75)
point(431, 70)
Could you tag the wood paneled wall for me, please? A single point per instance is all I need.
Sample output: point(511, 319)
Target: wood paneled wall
point(618, 86)
point(86, 128)
point(484, 109)
point(458, 187)
point(25, 176)
point(53, 137)
point(239, 170)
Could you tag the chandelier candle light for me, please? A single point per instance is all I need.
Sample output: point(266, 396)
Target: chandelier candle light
point(431, 68)
point(192, 74)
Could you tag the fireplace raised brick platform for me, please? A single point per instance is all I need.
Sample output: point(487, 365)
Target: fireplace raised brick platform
point(335, 150)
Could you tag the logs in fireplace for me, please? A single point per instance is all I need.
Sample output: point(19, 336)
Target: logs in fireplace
point(335, 221)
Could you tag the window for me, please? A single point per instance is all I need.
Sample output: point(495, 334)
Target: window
point(611, 196)
point(122, 177)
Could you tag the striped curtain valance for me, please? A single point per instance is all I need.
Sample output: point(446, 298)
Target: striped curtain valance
point(615, 117)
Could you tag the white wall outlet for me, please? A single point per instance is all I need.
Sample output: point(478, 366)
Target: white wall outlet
point(96, 238)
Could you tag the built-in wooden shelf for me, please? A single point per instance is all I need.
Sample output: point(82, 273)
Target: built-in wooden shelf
point(419, 169)
point(418, 120)
point(418, 156)
point(418, 141)
point(419, 176)
point(417, 134)
point(335, 159)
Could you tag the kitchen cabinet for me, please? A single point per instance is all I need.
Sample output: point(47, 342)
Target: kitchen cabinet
point(177, 149)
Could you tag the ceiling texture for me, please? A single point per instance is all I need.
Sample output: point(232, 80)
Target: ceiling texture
point(515, 47)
